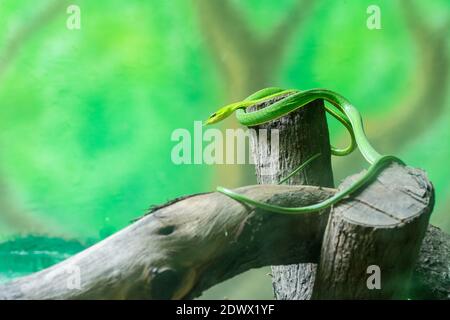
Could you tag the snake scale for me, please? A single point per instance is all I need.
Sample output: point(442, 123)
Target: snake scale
point(292, 100)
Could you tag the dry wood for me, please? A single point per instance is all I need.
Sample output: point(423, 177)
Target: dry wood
point(188, 245)
point(302, 134)
point(431, 276)
point(377, 232)
point(183, 248)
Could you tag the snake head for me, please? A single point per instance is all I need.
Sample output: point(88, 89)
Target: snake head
point(219, 115)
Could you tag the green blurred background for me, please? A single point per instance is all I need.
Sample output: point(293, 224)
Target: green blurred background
point(86, 115)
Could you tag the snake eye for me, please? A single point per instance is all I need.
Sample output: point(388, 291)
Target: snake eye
point(213, 115)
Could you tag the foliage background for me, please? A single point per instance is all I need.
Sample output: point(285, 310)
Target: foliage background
point(86, 115)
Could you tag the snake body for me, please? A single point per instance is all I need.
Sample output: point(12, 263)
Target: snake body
point(290, 101)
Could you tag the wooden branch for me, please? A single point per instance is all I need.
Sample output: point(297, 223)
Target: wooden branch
point(181, 249)
point(431, 277)
point(190, 244)
point(301, 135)
point(378, 231)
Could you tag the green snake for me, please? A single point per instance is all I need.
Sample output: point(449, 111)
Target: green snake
point(291, 100)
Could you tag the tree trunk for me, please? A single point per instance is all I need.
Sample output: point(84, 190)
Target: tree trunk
point(431, 277)
point(372, 240)
point(302, 134)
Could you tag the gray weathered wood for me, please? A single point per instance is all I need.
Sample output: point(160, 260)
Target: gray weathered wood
point(183, 248)
point(302, 134)
point(431, 277)
point(382, 226)
point(188, 245)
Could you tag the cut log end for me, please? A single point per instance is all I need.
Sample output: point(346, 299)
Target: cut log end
point(398, 195)
point(372, 241)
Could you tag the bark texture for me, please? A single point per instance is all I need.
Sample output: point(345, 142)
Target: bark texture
point(372, 241)
point(188, 245)
point(183, 248)
point(431, 277)
point(301, 134)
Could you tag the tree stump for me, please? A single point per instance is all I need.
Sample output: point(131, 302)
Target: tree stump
point(301, 134)
point(372, 240)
